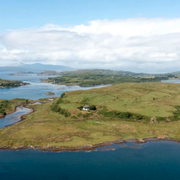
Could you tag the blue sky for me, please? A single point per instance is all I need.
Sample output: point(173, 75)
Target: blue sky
point(135, 35)
point(16, 14)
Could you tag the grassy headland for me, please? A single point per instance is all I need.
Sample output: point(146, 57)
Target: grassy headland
point(11, 84)
point(85, 78)
point(123, 111)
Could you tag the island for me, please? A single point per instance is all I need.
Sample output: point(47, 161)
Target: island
point(11, 84)
point(85, 119)
point(48, 73)
point(21, 73)
point(89, 78)
point(50, 93)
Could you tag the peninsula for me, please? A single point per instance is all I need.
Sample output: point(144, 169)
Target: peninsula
point(88, 78)
point(11, 84)
point(122, 111)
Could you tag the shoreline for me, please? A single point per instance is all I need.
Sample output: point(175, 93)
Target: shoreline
point(87, 147)
point(44, 80)
point(14, 111)
point(21, 117)
point(25, 84)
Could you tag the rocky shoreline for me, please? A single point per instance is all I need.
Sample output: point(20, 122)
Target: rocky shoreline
point(87, 147)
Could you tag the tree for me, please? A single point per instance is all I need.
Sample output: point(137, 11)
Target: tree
point(92, 107)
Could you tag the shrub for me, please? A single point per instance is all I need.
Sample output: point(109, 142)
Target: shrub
point(62, 95)
point(86, 115)
point(60, 100)
point(27, 101)
point(74, 117)
point(80, 107)
point(55, 108)
point(92, 107)
point(123, 115)
point(161, 119)
point(79, 115)
point(65, 112)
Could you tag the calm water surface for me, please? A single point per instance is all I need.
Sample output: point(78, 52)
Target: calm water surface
point(171, 81)
point(37, 89)
point(152, 161)
point(14, 117)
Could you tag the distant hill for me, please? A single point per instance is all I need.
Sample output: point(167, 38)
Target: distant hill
point(94, 77)
point(103, 72)
point(48, 73)
point(37, 67)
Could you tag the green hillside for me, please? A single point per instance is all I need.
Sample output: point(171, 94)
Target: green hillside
point(147, 99)
point(122, 111)
point(87, 78)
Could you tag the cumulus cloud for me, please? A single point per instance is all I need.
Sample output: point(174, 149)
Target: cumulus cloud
point(147, 45)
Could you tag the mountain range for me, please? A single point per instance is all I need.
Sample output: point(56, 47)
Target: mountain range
point(37, 67)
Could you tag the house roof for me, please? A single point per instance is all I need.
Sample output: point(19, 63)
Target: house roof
point(86, 106)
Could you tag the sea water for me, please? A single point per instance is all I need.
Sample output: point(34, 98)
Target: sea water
point(158, 160)
point(37, 89)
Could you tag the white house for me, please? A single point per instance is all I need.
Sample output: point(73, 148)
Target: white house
point(86, 107)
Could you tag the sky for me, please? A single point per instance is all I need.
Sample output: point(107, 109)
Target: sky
point(132, 35)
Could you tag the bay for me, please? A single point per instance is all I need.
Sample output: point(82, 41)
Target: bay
point(14, 117)
point(36, 89)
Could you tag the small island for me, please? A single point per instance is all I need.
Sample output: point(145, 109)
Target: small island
point(50, 93)
point(48, 73)
point(21, 73)
point(11, 84)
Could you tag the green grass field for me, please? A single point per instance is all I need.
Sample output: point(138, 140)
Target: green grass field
point(148, 99)
point(46, 128)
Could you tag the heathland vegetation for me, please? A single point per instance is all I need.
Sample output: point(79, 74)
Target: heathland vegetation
point(129, 110)
point(86, 78)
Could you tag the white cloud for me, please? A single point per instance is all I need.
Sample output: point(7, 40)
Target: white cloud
point(130, 44)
